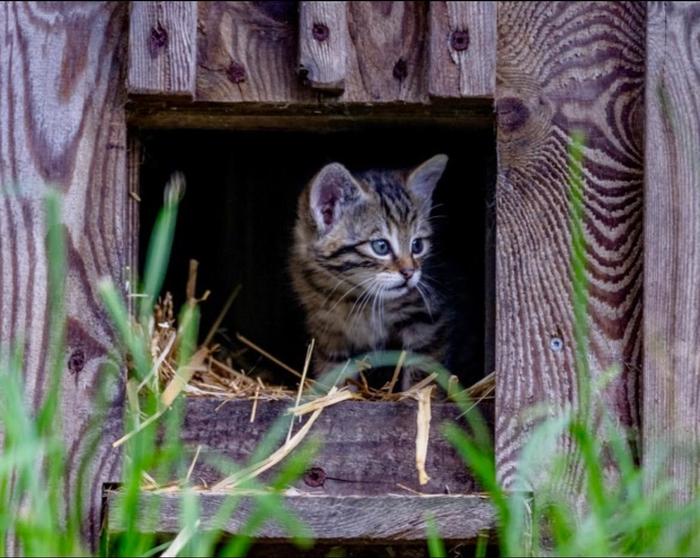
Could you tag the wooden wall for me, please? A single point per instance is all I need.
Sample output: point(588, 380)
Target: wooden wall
point(560, 67)
point(62, 125)
point(671, 404)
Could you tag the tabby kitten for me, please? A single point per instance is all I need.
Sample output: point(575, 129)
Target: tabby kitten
point(361, 247)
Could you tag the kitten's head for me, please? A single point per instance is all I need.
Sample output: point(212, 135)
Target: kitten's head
point(371, 229)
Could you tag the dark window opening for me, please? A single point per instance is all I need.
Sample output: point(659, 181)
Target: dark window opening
point(238, 213)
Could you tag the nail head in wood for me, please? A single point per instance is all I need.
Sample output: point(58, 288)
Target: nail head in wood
point(236, 72)
point(315, 477)
point(459, 40)
point(320, 32)
point(556, 344)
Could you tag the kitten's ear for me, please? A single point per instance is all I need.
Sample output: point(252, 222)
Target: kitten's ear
point(332, 190)
point(423, 179)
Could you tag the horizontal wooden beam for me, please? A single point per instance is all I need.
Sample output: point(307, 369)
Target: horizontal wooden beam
point(366, 447)
point(371, 519)
point(467, 113)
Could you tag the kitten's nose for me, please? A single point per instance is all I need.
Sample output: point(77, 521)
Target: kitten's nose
point(407, 272)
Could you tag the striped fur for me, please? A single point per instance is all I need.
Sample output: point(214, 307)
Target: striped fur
point(355, 300)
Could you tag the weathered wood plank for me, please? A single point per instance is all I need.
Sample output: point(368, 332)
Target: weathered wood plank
point(462, 61)
point(323, 44)
point(247, 54)
point(162, 42)
point(367, 448)
point(63, 125)
point(672, 233)
point(388, 52)
point(564, 67)
point(370, 519)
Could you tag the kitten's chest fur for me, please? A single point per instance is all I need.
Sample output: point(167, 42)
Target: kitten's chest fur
point(345, 325)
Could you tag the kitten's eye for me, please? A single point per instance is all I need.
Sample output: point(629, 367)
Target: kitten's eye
point(417, 246)
point(380, 247)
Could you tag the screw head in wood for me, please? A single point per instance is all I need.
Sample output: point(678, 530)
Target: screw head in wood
point(556, 344)
point(320, 32)
point(315, 477)
point(459, 40)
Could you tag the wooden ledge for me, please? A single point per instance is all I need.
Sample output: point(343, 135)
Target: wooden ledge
point(370, 519)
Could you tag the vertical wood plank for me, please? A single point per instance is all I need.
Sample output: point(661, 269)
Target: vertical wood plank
point(62, 125)
point(462, 60)
point(562, 67)
point(247, 52)
point(323, 44)
point(388, 53)
point(162, 43)
point(672, 234)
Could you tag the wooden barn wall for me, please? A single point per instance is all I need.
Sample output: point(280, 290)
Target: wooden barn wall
point(63, 126)
point(672, 233)
point(566, 66)
point(561, 67)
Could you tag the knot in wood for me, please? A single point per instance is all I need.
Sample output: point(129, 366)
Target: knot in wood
point(236, 72)
point(459, 40)
point(315, 477)
point(320, 32)
point(158, 40)
point(512, 113)
point(76, 361)
point(400, 70)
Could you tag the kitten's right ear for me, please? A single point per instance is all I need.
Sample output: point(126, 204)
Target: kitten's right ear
point(332, 190)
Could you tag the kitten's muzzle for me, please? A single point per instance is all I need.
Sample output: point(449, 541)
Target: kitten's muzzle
point(407, 272)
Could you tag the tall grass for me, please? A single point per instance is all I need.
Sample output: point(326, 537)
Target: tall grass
point(36, 517)
point(609, 510)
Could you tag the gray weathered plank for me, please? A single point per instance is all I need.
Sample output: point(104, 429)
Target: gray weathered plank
point(323, 44)
point(462, 59)
point(162, 43)
point(367, 447)
point(562, 67)
point(672, 232)
point(370, 519)
point(62, 125)
point(247, 54)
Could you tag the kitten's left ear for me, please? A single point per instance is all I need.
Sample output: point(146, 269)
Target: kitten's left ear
point(423, 179)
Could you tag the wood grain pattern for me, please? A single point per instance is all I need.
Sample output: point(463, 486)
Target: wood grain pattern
point(672, 232)
point(368, 448)
point(247, 54)
point(370, 519)
point(462, 61)
point(162, 41)
point(63, 126)
point(566, 67)
point(323, 45)
point(388, 56)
